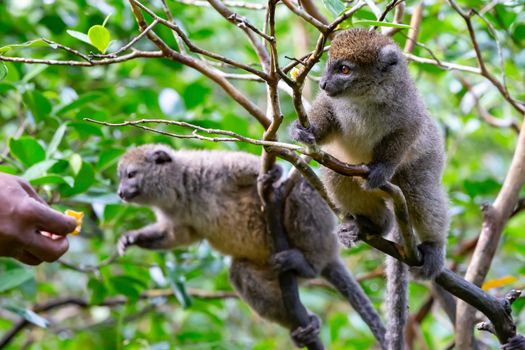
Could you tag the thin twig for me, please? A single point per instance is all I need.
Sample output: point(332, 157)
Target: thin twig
point(238, 4)
point(102, 62)
point(67, 49)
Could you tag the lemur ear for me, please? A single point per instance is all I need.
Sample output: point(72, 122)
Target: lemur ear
point(388, 57)
point(160, 157)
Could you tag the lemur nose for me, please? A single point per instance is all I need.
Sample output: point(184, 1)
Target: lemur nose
point(120, 194)
point(323, 84)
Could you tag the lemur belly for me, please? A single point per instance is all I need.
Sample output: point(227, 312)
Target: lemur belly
point(348, 151)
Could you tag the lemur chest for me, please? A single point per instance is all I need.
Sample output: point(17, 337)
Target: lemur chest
point(359, 133)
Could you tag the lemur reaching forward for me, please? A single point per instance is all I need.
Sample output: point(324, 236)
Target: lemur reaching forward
point(212, 195)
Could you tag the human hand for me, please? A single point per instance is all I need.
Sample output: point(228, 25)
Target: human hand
point(23, 218)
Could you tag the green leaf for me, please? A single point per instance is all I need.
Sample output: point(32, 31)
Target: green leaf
point(128, 286)
point(98, 291)
point(178, 285)
point(13, 278)
point(38, 104)
point(99, 37)
point(52, 179)
point(4, 87)
point(33, 72)
point(75, 162)
point(81, 101)
point(83, 180)
point(381, 24)
point(334, 6)
point(27, 150)
point(36, 42)
point(38, 169)
point(79, 35)
point(28, 315)
point(55, 141)
point(3, 71)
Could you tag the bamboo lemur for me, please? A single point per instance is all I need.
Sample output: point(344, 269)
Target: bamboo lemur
point(368, 111)
point(212, 195)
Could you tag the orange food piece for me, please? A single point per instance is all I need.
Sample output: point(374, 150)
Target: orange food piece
point(78, 216)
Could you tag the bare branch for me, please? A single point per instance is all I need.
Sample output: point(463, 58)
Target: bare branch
point(201, 67)
point(442, 64)
point(102, 62)
point(238, 4)
point(92, 268)
point(260, 50)
point(67, 49)
point(495, 218)
point(398, 19)
point(484, 114)
point(518, 105)
point(415, 24)
point(196, 49)
point(320, 25)
point(83, 303)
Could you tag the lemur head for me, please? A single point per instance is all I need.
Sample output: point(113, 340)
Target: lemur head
point(359, 61)
point(142, 172)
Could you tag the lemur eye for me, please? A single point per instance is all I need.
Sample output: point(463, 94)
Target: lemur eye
point(132, 174)
point(345, 69)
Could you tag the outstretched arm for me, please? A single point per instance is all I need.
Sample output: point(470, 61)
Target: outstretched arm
point(157, 236)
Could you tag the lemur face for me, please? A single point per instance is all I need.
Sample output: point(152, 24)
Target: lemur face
point(344, 77)
point(138, 173)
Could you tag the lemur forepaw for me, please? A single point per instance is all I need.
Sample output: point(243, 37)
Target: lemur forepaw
point(302, 336)
point(271, 176)
point(124, 242)
point(378, 176)
point(302, 134)
point(433, 255)
point(348, 233)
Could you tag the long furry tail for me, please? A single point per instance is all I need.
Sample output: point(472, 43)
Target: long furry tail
point(338, 275)
point(396, 302)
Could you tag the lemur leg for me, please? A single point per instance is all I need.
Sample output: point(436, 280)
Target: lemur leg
point(258, 286)
point(156, 236)
point(427, 206)
point(292, 259)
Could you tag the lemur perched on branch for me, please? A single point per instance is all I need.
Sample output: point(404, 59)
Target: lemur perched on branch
point(369, 111)
point(212, 195)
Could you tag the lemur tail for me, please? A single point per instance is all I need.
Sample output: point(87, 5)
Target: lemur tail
point(396, 302)
point(338, 275)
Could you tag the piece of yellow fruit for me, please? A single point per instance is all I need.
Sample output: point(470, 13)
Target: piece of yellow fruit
point(499, 282)
point(78, 216)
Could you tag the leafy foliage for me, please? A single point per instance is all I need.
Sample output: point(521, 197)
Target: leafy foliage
point(72, 164)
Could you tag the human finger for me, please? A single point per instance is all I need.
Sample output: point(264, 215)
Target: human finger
point(45, 248)
point(28, 258)
point(30, 191)
point(48, 219)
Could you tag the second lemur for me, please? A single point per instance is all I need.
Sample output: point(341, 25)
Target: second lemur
point(212, 195)
point(369, 112)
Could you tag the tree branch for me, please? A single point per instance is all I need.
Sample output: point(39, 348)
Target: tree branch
point(518, 105)
point(84, 303)
point(494, 219)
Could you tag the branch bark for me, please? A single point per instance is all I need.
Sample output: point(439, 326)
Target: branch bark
point(494, 219)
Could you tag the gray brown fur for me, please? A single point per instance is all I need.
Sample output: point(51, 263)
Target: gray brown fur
point(212, 195)
point(375, 116)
